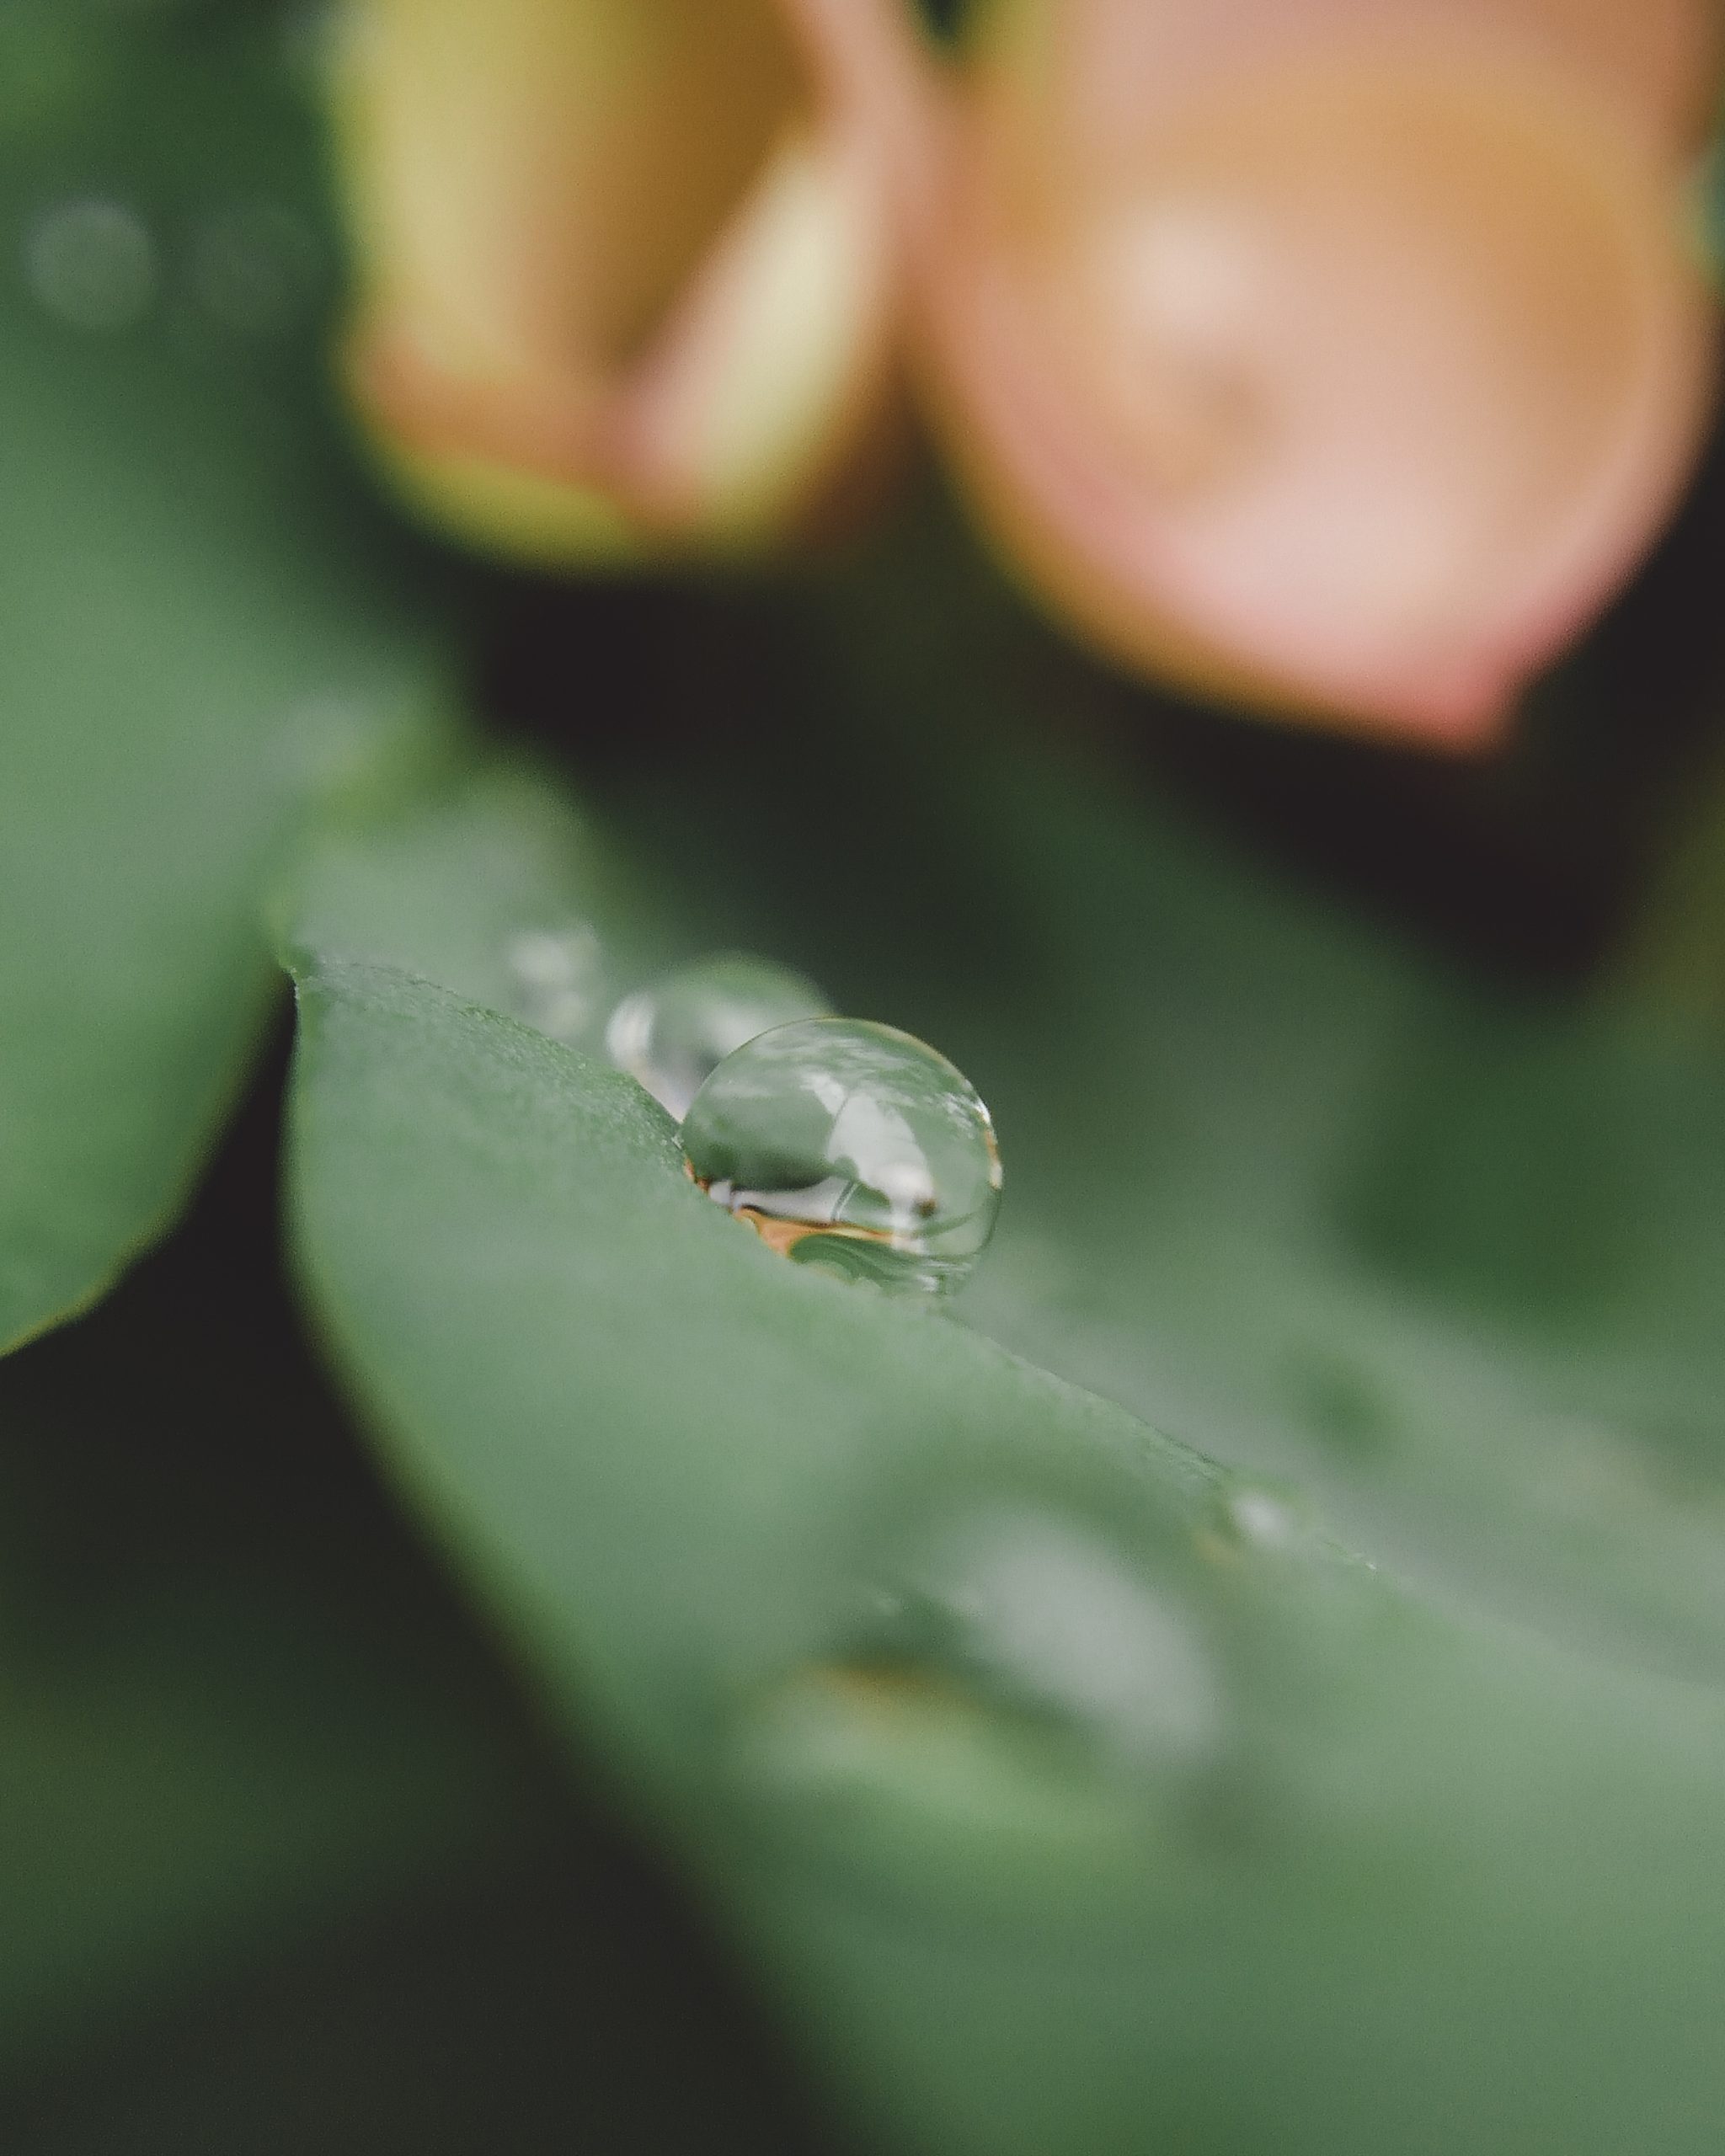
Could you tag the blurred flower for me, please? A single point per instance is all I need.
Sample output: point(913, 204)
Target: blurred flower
point(1337, 355)
point(625, 283)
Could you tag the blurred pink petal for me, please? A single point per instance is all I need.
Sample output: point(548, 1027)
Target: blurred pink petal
point(1340, 356)
point(627, 282)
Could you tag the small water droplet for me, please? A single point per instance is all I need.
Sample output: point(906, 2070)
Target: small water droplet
point(1261, 1516)
point(254, 268)
point(1025, 1712)
point(1256, 1516)
point(559, 977)
point(674, 1033)
point(853, 1146)
point(1050, 1614)
point(92, 263)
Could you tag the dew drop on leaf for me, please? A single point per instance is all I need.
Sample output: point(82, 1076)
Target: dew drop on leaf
point(1258, 1516)
point(674, 1033)
point(852, 1146)
point(1022, 1709)
point(1042, 1612)
point(91, 262)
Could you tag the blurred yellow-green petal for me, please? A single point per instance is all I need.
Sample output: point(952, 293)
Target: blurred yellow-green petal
point(627, 286)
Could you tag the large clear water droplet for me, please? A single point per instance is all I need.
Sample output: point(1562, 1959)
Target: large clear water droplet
point(92, 264)
point(853, 1146)
point(674, 1033)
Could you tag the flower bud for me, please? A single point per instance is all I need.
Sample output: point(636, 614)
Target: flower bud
point(626, 286)
point(1335, 356)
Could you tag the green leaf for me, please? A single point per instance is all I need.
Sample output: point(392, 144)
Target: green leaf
point(199, 643)
point(1448, 1260)
point(1446, 1257)
point(1273, 1859)
point(471, 1149)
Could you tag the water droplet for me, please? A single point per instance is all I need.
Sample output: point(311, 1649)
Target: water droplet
point(92, 263)
point(1046, 1613)
point(254, 268)
point(1022, 1709)
point(853, 1146)
point(559, 978)
point(1260, 1515)
point(1256, 1516)
point(674, 1033)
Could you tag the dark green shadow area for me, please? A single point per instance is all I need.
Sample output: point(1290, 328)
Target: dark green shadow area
point(283, 1865)
point(555, 1997)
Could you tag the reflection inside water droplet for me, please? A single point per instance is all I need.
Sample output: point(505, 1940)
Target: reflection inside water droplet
point(674, 1033)
point(92, 263)
point(559, 979)
point(852, 1146)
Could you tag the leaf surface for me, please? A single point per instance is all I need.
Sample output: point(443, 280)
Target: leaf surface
point(1449, 1257)
point(693, 1477)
